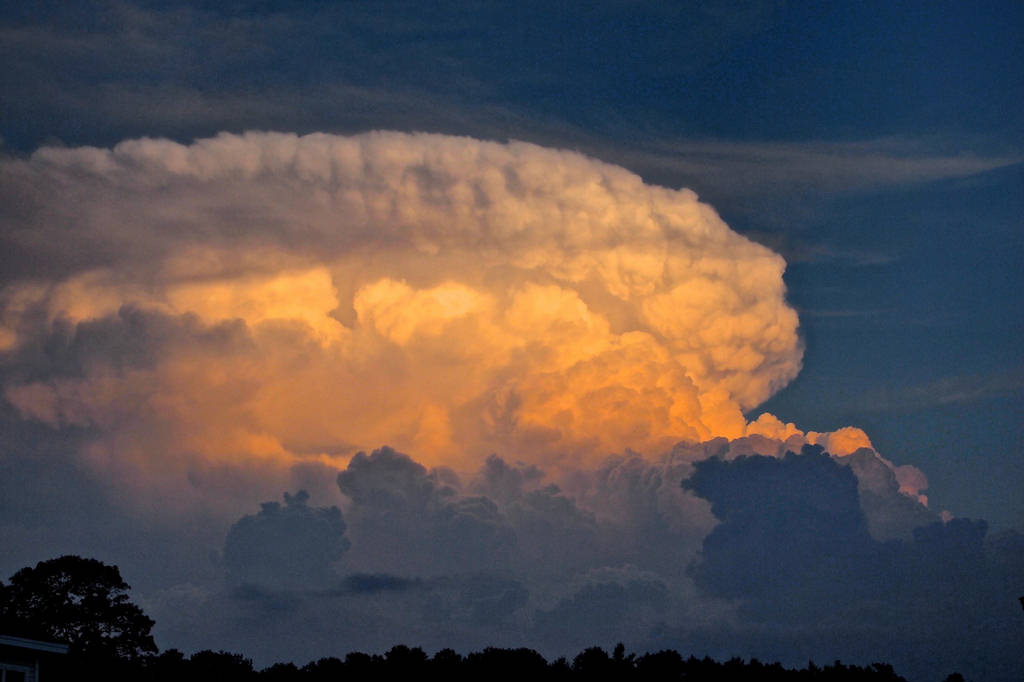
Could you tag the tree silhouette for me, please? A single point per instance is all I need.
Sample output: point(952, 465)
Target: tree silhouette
point(215, 666)
point(592, 663)
point(82, 602)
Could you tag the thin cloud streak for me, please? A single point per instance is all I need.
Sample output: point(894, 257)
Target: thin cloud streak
point(951, 390)
point(765, 168)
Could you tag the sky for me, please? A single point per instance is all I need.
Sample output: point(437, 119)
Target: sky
point(336, 325)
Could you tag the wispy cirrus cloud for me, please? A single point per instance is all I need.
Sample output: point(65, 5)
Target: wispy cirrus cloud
point(792, 168)
point(184, 72)
point(964, 389)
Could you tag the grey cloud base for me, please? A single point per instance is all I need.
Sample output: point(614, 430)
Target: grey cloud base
point(785, 569)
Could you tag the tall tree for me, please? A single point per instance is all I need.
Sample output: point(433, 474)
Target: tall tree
point(82, 602)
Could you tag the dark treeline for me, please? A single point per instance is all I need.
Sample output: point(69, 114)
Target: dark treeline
point(403, 662)
point(84, 604)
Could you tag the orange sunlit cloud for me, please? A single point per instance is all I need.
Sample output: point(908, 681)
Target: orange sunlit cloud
point(290, 299)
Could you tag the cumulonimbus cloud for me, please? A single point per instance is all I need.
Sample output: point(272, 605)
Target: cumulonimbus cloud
point(272, 298)
point(217, 322)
